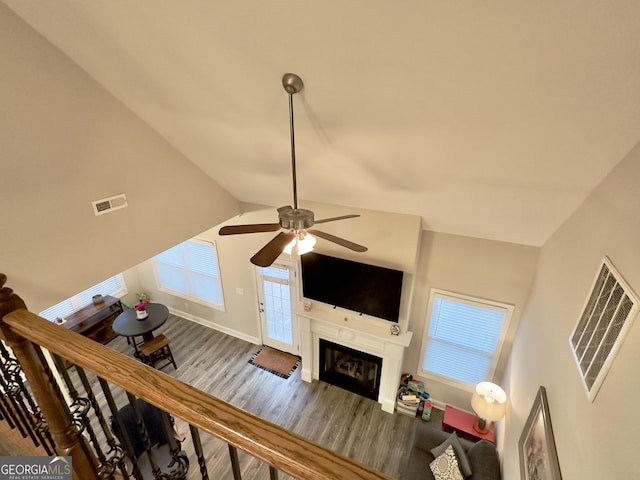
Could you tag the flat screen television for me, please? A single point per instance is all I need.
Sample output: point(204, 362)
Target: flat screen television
point(363, 288)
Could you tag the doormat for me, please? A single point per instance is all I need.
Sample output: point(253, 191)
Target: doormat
point(274, 361)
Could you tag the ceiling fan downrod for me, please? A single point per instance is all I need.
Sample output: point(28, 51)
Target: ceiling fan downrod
point(293, 223)
point(292, 84)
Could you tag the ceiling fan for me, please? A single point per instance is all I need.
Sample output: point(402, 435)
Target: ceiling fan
point(296, 235)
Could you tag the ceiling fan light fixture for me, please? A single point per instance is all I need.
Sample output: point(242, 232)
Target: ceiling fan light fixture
point(303, 243)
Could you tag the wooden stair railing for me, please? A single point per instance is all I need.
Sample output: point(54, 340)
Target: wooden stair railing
point(280, 449)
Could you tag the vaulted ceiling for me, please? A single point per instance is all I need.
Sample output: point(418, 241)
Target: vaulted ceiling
point(488, 119)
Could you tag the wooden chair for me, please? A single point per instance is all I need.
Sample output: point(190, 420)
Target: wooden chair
point(157, 349)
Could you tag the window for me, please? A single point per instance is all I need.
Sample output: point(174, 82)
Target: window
point(601, 328)
point(463, 338)
point(113, 286)
point(191, 271)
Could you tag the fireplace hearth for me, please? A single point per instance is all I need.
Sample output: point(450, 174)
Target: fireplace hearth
point(353, 370)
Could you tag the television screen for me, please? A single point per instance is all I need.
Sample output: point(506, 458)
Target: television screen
point(355, 286)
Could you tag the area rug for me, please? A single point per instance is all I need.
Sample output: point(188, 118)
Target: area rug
point(274, 361)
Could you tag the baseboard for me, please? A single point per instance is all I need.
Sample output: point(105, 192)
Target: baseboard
point(438, 404)
point(215, 326)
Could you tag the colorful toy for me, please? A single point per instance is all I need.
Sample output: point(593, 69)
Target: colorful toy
point(426, 411)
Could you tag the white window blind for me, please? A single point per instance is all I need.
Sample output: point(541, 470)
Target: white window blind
point(600, 331)
point(191, 271)
point(463, 338)
point(114, 286)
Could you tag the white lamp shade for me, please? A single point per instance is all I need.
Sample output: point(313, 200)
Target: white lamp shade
point(303, 243)
point(489, 401)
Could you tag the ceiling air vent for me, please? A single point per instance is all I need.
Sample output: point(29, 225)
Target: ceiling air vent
point(110, 204)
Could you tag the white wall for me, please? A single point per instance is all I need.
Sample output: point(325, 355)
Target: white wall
point(240, 316)
point(486, 269)
point(65, 142)
point(594, 440)
point(392, 240)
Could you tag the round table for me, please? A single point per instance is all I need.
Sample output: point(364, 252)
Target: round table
point(128, 325)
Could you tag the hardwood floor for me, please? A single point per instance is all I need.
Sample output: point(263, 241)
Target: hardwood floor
point(344, 422)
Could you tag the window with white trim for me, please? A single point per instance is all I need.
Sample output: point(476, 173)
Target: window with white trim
point(600, 331)
point(191, 271)
point(114, 286)
point(463, 338)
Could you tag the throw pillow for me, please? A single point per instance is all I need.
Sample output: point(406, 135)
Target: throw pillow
point(461, 455)
point(484, 457)
point(445, 466)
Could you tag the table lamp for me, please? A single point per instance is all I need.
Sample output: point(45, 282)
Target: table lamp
point(489, 401)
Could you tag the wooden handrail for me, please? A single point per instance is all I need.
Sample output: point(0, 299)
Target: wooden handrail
point(286, 451)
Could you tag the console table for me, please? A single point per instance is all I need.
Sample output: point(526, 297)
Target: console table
point(95, 320)
point(462, 423)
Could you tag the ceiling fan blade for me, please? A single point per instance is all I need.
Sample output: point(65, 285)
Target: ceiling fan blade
point(252, 228)
point(340, 241)
point(333, 219)
point(267, 254)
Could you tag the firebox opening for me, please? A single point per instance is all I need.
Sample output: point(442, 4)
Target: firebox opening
point(355, 371)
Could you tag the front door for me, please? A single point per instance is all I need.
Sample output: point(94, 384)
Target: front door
point(276, 298)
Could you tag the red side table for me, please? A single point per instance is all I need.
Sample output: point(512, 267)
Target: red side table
point(462, 423)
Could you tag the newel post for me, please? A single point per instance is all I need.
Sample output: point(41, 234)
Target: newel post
point(47, 394)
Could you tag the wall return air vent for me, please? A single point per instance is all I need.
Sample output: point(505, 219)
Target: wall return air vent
point(110, 204)
point(600, 331)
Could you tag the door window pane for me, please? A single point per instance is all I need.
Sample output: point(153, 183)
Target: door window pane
point(277, 302)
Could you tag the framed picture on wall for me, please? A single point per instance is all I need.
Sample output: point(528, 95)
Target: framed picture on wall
point(538, 456)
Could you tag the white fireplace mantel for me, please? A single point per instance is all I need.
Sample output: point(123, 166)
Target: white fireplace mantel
point(359, 332)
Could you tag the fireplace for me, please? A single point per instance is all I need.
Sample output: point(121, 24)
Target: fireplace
point(353, 370)
point(369, 337)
